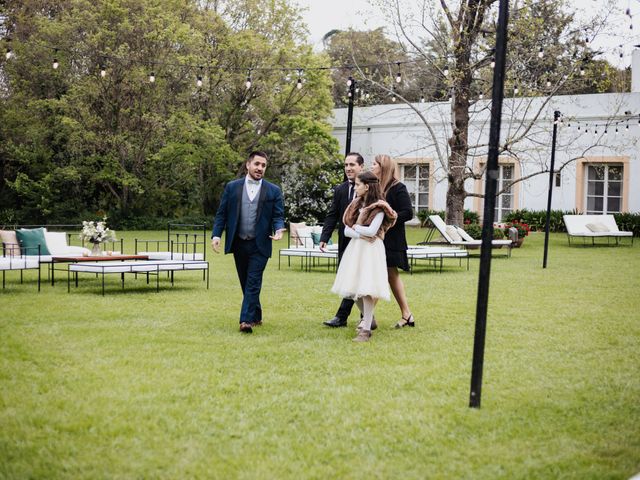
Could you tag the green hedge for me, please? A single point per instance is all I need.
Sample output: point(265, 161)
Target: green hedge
point(536, 220)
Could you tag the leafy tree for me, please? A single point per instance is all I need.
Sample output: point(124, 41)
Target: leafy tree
point(97, 134)
point(547, 48)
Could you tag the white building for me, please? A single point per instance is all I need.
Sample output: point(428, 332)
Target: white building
point(597, 152)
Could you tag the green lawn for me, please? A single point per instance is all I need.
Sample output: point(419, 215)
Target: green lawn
point(139, 384)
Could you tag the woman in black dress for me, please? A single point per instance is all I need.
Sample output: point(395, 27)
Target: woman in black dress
point(395, 240)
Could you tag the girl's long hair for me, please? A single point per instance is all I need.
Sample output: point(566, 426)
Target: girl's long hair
point(388, 176)
point(375, 192)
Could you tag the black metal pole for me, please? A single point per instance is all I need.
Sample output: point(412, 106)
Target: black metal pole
point(489, 206)
point(352, 94)
point(556, 116)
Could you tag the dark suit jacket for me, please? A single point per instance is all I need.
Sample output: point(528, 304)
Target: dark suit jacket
point(270, 214)
point(334, 216)
point(398, 198)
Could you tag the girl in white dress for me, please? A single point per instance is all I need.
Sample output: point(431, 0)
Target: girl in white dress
point(362, 274)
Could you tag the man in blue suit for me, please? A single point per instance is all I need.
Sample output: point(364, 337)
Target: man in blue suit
point(251, 212)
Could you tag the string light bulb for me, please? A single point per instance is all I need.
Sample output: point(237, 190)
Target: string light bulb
point(548, 83)
point(299, 84)
point(481, 96)
point(493, 63)
point(152, 77)
point(103, 71)
point(349, 81)
point(446, 70)
point(248, 82)
point(422, 95)
point(541, 52)
point(516, 89)
point(199, 81)
point(582, 71)
point(9, 54)
point(399, 74)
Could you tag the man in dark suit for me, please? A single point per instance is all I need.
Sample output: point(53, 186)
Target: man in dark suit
point(342, 196)
point(251, 212)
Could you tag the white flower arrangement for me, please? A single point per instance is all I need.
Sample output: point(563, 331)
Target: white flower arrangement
point(97, 232)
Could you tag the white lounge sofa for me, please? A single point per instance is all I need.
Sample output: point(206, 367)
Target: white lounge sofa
point(593, 227)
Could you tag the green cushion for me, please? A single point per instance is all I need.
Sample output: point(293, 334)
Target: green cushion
point(316, 239)
point(29, 240)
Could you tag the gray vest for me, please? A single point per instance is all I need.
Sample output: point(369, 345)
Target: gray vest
point(248, 216)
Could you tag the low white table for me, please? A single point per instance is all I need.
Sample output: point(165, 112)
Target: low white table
point(148, 267)
point(435, 254)
point(308, 256)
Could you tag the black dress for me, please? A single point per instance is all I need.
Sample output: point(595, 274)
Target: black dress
point(395, 240)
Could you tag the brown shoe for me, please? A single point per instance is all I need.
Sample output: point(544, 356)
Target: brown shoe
point(363, 336)
point(246, 327)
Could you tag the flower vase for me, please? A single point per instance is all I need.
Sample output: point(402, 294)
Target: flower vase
point(96, 251)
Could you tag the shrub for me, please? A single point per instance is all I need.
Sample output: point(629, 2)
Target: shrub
point(474, 230)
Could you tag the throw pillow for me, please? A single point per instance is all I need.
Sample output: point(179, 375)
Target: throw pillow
point(294, 235)
point(453, 233)
point(56, 242)
point(29, 240)
point(464, 235)
point(597, 227)
point(316, 238)
point(11, 245)
point(304, 237)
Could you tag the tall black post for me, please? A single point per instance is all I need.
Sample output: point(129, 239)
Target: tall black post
point(352, 94)
point(489, 206)
point(556, 116)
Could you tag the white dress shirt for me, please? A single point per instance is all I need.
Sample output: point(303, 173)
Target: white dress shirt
point(252, 186)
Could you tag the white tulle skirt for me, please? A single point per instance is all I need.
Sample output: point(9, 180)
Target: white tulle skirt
point(362, 271)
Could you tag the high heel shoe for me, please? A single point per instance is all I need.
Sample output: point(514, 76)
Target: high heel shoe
point(406, 322)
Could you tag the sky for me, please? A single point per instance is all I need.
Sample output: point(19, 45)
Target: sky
point(321, 16)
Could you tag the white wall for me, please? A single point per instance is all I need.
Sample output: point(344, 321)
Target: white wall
point(398, 131)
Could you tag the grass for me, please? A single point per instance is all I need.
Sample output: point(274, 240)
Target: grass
point(139, 384)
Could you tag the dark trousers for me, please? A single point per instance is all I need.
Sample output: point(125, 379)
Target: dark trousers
point(344, 310)
point(250, 265)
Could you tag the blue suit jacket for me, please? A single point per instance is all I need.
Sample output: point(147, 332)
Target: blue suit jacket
point(270, 215)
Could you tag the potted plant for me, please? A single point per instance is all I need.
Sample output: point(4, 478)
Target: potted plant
point(97, 233)
point(522, 228)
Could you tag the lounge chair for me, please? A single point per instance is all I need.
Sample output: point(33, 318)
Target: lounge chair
point(457, 237)
point(594, 226)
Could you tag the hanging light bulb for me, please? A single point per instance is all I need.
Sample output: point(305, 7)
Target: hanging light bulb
point(548, 83)
point(199, 81)
point(349, 81)
point(493, 63)
point(299, 84)
point(421, 95)
point(481, 96)
point(367, 95)
point(541, 52)
point(582, 70)
point(606, 131)
point(9, 54)
point(616, 130)
point(515, 89)
point(446, 70)
point(103, 71)
point(398, 75)
point(248, 82)
point(450, 95)
point(152, 77)
point(627, 127)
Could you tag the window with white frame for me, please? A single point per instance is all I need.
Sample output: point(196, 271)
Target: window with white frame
point(504, 202)
point(604, 188)
point(416, 178)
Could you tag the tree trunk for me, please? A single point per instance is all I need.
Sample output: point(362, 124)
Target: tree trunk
point(459, 147)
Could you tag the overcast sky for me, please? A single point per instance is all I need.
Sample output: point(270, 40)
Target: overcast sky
point(322, 16)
